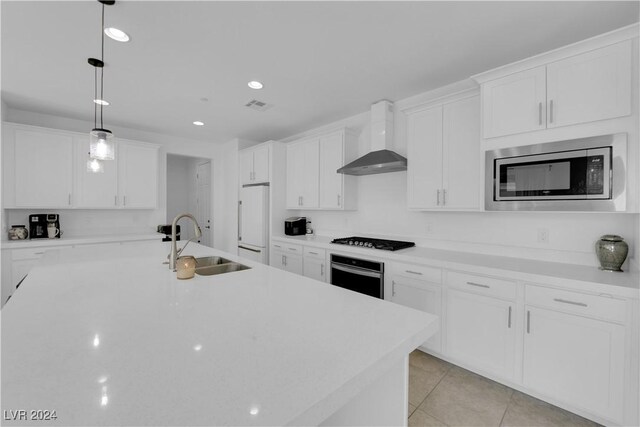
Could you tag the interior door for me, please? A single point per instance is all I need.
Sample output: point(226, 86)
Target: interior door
point(203, 203)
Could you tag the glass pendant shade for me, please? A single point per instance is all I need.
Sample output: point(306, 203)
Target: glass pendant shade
point(95, 166)
point(101, 145)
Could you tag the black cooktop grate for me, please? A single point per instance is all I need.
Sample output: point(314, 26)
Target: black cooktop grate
point(387, 245)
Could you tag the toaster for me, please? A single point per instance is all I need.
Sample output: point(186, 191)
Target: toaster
point(295, 226)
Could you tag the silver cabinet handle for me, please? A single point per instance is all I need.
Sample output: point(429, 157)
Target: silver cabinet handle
point(540, 113)
point(338, 200)
point(509, 321)
point(240, 220)
point(124, 202)
point(115, 200)
point(284, 260)
point(528, 322)
point(301, 200)
point(551, 111)
point(480, 285)
point(564, 301)
point(438, 197)
point(444, 197)
point(321, 269)
point(393, 288)
point(414, 272)
point(38, 253)
point(293, 249)
point(277, 246)
point(313, 253)
point(69, 199)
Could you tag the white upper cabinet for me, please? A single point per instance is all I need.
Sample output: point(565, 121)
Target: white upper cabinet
point(138, 176)
point(514, 104)
point(43, 169)
point(303, 174)
point(443, 149)
point(94, 190)
point(593, 86)
point(583, 88)
point(312, 177)
point(424, 151)
point(254, 165)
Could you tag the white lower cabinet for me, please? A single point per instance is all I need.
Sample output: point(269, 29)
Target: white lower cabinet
point(481, 332)
point(287, 257)
point(315, 264)
point(423, 296)
point(573, 358)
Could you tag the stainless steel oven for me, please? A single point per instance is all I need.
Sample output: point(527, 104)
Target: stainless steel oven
point(359, 275)
point(585, 174)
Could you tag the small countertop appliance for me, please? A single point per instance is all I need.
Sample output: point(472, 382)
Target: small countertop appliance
point(295, 226)
point(38, 224)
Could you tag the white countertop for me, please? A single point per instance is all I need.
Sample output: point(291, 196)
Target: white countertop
point(578, 277)
point(79, 240)
point(111, 337)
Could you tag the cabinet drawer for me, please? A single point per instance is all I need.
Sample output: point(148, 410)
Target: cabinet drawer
point(287, 247)
point(490, 286)
point(418, 272)
point(31, 253)
point(574, 302)
point(315, 253)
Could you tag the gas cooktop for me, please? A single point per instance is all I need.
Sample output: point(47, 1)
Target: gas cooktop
point(366, 242)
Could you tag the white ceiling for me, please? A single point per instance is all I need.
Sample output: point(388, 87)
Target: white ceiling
point(319, 61)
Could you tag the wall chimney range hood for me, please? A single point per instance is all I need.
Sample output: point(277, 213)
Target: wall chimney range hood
point(380, 159)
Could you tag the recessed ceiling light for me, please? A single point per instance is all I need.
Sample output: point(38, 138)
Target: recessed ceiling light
point(101, 102)
point(116, 34)
point(198, 123)
point(255, 84)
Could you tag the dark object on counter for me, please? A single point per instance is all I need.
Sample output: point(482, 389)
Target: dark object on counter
point(366, 242)
point(166, 230)
point(295, 226)
point(612, 252)
point(18, 232)
point(38, 224)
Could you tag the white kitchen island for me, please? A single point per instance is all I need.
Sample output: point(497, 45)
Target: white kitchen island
point(111, 337)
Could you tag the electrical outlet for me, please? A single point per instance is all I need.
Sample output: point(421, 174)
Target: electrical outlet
point(543, 235)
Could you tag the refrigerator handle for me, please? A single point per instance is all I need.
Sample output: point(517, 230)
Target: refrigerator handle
point(239, 220)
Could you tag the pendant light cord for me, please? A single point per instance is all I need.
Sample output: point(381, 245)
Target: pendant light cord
point(95, 96)
point(102, 69)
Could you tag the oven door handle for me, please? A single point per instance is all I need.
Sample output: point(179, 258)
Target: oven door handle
point(355, 271)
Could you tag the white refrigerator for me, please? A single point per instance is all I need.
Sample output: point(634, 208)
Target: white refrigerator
point(253, 223)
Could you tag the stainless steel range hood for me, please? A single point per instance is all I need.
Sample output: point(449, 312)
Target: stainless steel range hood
point(380, 159)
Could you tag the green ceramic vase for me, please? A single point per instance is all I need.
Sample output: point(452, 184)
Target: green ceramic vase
point(612, 252)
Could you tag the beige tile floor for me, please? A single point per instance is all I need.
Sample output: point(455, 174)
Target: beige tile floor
point(442, 394)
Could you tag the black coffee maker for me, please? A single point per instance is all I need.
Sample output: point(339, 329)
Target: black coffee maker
point(38, 224)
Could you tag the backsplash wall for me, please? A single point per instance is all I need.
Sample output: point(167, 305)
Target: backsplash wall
point(382, 211)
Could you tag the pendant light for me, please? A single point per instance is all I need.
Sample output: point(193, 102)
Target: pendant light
point(101, 144)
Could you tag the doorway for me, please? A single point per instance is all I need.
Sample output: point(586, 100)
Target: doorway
point(189, 190)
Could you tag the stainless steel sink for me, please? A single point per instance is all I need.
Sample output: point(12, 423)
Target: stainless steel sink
point(209, 266)
point(211, 260)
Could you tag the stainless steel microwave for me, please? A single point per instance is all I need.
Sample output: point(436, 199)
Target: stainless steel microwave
point(587, 174)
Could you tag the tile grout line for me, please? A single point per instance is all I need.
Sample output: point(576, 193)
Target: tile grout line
point(428, 394)
point(507, 408)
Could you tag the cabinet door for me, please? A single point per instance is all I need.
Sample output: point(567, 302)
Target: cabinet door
point(295, 174)
point(575, 360)
point(246, 167)
point(315, 268)
point(43, 169)
point(331, 182)
point(461, 180)
point(425, 297)
point(277, 259)
point(481, 332)
point(424, 152)
point(261, 164)
point(95, 190)
point(593, 86)
point(311, 176)
point(293, 264)
point(514, 104)
point(138, 176)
